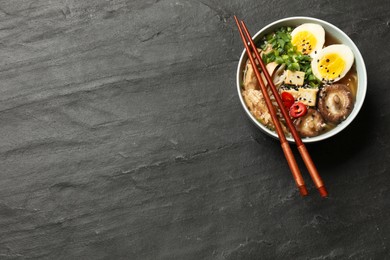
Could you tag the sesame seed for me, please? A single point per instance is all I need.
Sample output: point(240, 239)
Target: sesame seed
point(298, 77)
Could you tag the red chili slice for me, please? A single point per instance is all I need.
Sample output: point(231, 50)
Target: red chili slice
point(288, 99)
point(298, 109)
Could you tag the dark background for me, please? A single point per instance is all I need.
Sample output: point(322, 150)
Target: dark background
point(122, 137)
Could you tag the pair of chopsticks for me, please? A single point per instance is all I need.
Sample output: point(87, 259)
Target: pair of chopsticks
point(249, 44)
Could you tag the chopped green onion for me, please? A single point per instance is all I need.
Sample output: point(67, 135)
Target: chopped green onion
point(283, 52)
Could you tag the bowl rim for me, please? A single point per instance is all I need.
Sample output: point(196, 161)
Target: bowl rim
point(362, 78)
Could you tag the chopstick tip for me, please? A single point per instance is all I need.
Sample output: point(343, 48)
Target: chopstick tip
point(323, 192)
point(303, 191)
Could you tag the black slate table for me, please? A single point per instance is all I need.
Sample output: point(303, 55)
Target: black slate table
point(122, 137)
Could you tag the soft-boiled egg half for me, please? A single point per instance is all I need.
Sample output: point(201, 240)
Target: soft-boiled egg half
point(332, 62)
point(308, 38)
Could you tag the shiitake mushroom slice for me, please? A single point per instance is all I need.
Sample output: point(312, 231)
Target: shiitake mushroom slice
point(335, 102)
point(311, 124)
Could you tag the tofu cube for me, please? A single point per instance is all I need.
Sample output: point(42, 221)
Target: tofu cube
point(293, 92)
point(307, 96)
point(294, 77)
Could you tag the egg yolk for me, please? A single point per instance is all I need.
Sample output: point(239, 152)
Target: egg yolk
point(304, 41)
point(330, 66)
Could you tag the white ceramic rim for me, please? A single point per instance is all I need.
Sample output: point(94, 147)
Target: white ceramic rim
point(340, 36)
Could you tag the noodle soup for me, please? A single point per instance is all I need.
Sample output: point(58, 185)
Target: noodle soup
point(316, 73)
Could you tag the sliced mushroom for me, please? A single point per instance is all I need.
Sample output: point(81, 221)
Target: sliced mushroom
point(311, 124)
point(271, 67)
point(279, 76)
point(335, 102)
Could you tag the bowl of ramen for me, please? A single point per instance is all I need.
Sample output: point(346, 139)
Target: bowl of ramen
point(318, 71)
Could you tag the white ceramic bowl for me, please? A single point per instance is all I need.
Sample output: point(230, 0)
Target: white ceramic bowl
point(335, 32)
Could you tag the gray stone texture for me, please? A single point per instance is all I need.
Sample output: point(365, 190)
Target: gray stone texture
point(122, 137)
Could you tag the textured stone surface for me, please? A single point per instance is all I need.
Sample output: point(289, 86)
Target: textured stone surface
point(122, 137)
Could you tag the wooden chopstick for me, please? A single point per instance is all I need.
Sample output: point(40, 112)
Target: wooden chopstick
point(285, 145)
point(301, 147)
point(283, 141)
